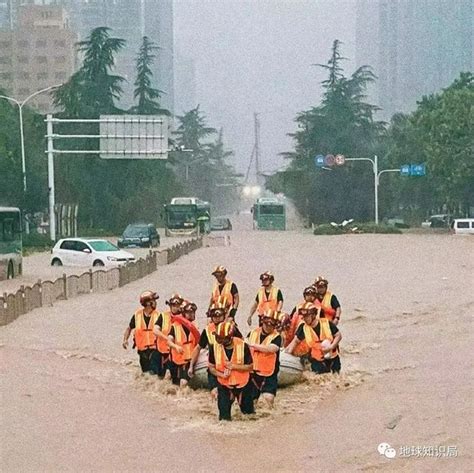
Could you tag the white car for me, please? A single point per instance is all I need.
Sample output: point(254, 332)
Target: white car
point(88, 252)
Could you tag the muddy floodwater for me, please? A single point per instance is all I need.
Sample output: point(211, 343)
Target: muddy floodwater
point(74, 400)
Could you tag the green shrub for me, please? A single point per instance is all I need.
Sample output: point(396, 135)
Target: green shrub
point(326, 229)
point(36, 240)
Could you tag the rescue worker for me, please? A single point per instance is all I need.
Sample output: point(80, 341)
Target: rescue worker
point(322, 337)
point(265, 343)
point(329, 302)
point(217, 314)
point(230, 361)
point(162, 330)
point(309, 297)
point(226, 288)
point(142, 323)
point(182, 340)
point(269, 297)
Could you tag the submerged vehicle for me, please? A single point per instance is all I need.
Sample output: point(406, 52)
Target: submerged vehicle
point(269, 214)
point(187, 216)
point(291, 370)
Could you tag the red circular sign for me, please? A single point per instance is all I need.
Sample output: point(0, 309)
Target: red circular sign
point(329, 160)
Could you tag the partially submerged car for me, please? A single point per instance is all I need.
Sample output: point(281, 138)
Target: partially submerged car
point(220, 223)
point(88, 252)
point(143, 235)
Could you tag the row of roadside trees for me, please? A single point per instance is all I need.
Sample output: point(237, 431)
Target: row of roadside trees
point(438, 133)
point(112, 193)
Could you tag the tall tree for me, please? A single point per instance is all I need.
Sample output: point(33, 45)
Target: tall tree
point(148, 96)
point(342, 123)
point(93, 89)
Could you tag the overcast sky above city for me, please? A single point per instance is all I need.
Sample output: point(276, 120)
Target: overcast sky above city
point(256, 56)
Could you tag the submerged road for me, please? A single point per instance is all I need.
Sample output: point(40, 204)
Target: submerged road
point(73, 399)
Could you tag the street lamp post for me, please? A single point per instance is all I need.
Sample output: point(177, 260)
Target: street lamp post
point(20, 105)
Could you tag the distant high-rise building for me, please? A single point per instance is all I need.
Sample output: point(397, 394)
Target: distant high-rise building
point(37, 53)
point(416, 47)
point(131, 20)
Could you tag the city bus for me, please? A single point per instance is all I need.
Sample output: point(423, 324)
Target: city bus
point(10, 243)
point(269, 214)
point(187, 216)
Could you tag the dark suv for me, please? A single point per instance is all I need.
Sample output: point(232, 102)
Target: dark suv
point(142, 235)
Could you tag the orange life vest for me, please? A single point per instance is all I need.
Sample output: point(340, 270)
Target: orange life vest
point(210, 332)
point(237, 379)
point(329, 312)
point(314, 342)
point(265, 302)
point(263, 363)
point(225, 293)
point(162, 344)
point(187, 342)
point(144, 336)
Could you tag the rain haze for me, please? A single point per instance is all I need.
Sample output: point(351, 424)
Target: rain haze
point(257, 56)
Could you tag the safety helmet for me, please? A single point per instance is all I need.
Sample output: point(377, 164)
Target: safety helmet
point(225, 329)
point(219, 269)
point(188, 306)
point(148, 296)
point(310, 290)
point(320, 281)
point(267, 275)
point(271, 316)
point(308, 308)
point(175, 299)
point(283, 319)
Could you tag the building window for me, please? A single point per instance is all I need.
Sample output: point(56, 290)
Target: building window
point(60, 43)
point(41, 59)
point(60, 59)
point(5, 60)
point(42, 75)
point(46, 14)
point(23, 44)
point(23, 59)
point(41, 43)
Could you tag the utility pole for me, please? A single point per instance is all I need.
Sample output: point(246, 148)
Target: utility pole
point(257, 147)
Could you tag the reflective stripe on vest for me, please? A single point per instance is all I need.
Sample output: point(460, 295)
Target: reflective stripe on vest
point(225, 293)
point(263, 363)
point(210, 332)
point(267, 303)
point(162, 344)
point(187, 342)
point(144, 336)
point(237, 379)
point(314, 342)
point(329, 312)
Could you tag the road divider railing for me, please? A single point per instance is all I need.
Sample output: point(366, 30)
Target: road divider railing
point(46, 293)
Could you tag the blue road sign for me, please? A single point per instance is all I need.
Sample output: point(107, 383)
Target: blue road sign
point(319, 160)
point(417, 170)
point(405, 169)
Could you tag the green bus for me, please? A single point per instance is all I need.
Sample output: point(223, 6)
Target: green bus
point(269, 214)
point(187, 216)
point(10, 243)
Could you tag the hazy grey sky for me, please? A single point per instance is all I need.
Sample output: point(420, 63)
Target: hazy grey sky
point(256, 56)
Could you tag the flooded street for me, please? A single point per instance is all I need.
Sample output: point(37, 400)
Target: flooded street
point(74, 400)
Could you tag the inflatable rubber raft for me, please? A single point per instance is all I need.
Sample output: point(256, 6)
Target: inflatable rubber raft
point(291, 371)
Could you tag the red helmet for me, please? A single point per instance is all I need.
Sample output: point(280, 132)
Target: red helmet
point(219, 269)
point(189, 306)
point(320, 281)
point(175, 299)
point(308, 308)
point(148, 296)
point(267, 275)
point(225, 329)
